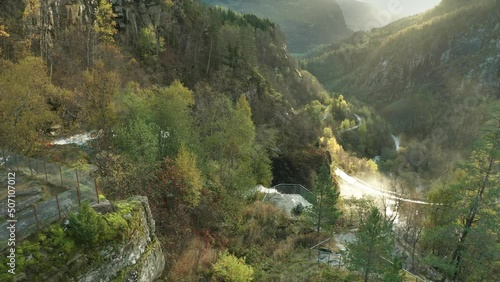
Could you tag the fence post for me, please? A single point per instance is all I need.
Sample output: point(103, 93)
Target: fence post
point(96, 190)
point(4, 159)
point(60, 173)
point(78, 188)
point(45, 169)
point(29, 163)
point(58, 207)
point(36, 217)
point(35, 166)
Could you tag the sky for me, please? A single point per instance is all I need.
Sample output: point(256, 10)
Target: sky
point(408, 7)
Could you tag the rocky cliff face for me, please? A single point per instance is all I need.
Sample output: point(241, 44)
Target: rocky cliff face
point(65, 32)
point(130, 15)
point(133, 15)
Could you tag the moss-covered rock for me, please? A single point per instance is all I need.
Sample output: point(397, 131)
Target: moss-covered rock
point(124, 249)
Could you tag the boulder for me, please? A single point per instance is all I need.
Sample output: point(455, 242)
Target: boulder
point(104, 207)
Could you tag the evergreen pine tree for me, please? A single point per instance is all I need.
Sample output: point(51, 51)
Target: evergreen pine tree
point(372, 247)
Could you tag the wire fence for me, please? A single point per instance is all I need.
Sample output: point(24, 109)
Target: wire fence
point(326, 255)
point(296, 189)
point(324, 252)
point(73, 188)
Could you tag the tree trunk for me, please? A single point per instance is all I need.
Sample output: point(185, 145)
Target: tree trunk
point(319, 214)
point(209, 57)
point(415, 238)
point(368, 263)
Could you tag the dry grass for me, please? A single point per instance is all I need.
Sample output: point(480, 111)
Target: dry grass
point(284, 249)
point(195, 260)
point(263, 223)
point(309, 240)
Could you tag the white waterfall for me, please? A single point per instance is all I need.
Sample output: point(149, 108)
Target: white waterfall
point(396, 142)
point(78, 139)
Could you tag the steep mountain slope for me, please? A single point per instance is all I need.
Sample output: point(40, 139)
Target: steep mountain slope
point(210, 50)
point(306, 24)
point(431, 75)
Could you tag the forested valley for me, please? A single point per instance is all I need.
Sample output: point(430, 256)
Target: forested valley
point(392, 133)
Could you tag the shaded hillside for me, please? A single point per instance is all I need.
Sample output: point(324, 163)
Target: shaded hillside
point(306, 24)
point(432, 75)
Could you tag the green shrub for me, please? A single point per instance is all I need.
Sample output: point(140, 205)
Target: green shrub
point(298, 209)
point(49, 249)
point(232, 269)
point(89, 228)
point(149, 43)
point(86, 226)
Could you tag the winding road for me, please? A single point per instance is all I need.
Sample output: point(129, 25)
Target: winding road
point(357, 188)
point(360, 121)
point(353, 186)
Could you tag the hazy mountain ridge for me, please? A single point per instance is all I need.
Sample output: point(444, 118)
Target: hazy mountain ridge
point(306, 24)
point(359, 15)
point(367, 14)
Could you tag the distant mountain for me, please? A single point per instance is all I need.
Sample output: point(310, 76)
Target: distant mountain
point(306, 23)
point(433, 75)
